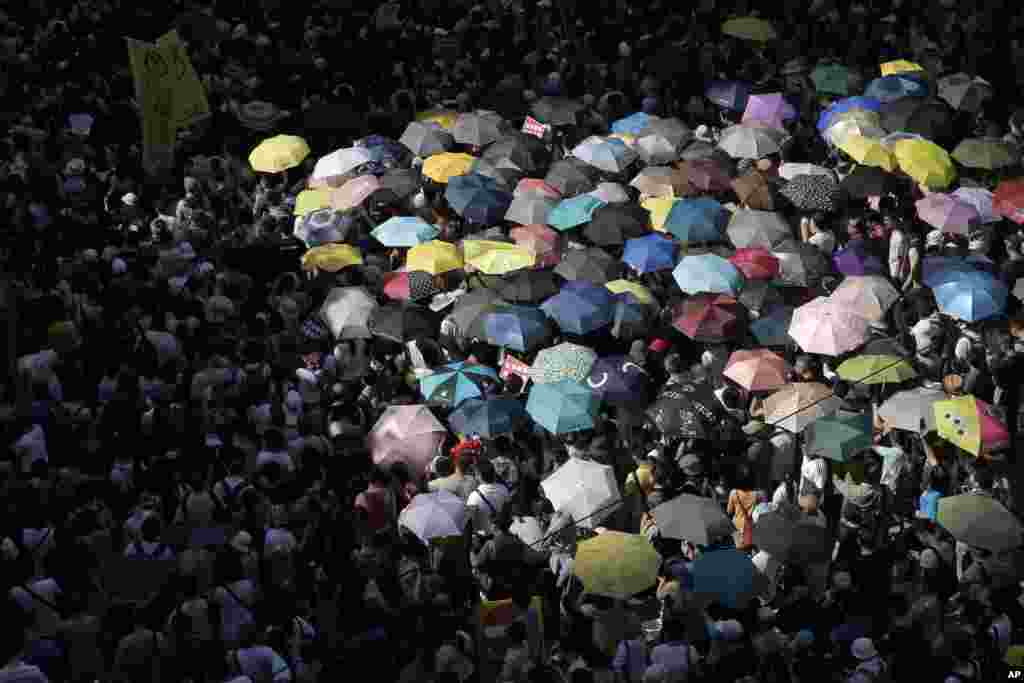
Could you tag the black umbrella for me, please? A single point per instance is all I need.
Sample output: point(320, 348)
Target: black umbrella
point(802, 264)
point(556, 111)
point(759, 295)
point(613, 224)
point(527, 286)
point(930, 118)
point(403, 182)
point(592, 265)
point(401, 323)
point(813, 193)
point(868, 181)
point(571, 177)
point(525, 151)
point(687, 409)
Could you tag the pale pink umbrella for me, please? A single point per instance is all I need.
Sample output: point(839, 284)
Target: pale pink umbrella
point(947, 213)
point(770, 108)
point(407, 433)
point(543, 242)
point(535, 187)
point(868, 296)
point(757, 369)
point(823, 327)
point(354, 192)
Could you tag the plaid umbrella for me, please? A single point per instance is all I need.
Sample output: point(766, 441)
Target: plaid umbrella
point(592, 265)
point(814, 193)
point(764, 229)
point(709, 318)
point(563, 362)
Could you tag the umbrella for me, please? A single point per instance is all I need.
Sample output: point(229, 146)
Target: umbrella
point(488, 418)
point(708, 273)
point(686, 410)
point(791, 541)
point(525, 151)
point(930, 118)
point(563, 407)
point(438, 514)
point(340, 163)
point(443, 117)
point(798, 405)
point(987, 153)
point(631, 319)
point(530, 210)
point(528, 286)
point(707, 175)
point(699, 149)
point(632, 289)
point(520, 328)
point(659, 208)
point(402, 323)
point(536, 188)
point(748, 142)
point(814, 193)
point(765, 229)
point(946, 213)
point(477, 198)
point(580, 310)
point(610, 193)
point(772, 327)
point(753, 29)
point(672, 130)
point(963, 92)
point(801, 264)
point(757, 370)
point(278, 154)
point(709, 318)
point(331, 257)
point(616, 565)
point(426, 139)
point(496, 258)
point(895, 87)
point(848, 105)
point(384, 152)
point(442, 167)
point(1008, 200)
point(556, 111)
point(617, 379)
point(729, 94)
point(771, 108)
point(824, 328)
point(760, 295)
point(939, 269)
point(309, 201)
point(408, 433)
point(971, 296)
point(692, 518)
point(867, 181)
point(655, 149)
point(876, 369)
point(662, 181)
point(899, 66)
point(564, 362)
point(756, 263)
point(980, 521)
point(404, 231)
point(592, 265)
point(790, 170)
point(347, 312)
point(868, 296)
point(754, 191)
point(613, 224)
point(402, 182)
point(573, 212)
point(409, 285)
point(855, 259)
point(865, 124)
point(434, 257)
point(868, 152)
point(727, 576)
point(831, 79)
point(606, 154)
point(970, 424)
point(696, 220)
point(457, 382)
point(632, 124)
point(926, 163)
point(908, 409)
point(476, 129)
point(839, 437)
point(503, 171)
point(471, 306)
point(354, 192)
point(649, 253)
point(323, 226)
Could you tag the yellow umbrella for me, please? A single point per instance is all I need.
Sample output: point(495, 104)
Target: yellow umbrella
point(309, 201)
point(659, 207)
point(899, 66)
point(331, 257)
point(443, 117)
point(442, 167)
point(869, 152)
point(925, 162)
point(496, 258)
point(750, 28)
point(642, 294)
point(876, 369)
point(616, 565)
point(278, 154)
point(434, 257)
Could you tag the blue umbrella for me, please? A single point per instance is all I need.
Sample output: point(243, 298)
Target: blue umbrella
point(855, 259)
point(845, 105)
point(895, 87)
point(936, 270)
point(729, 94)
point(727, 576)
point(488, 418)
point(324, 226)
point(580, 309)
point(632, 124)
point(521, 328)
point(772, 328)
point(563, 407)
point(971, 296)
point(617, 379)
point(649, 253)
point(405, 231)
point(457, 382)
point(478, 199)
point(708, 273)
point(573, 212)
point(697, 220)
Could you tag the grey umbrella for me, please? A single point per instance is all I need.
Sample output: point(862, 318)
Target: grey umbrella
point(476, 129)
point(503, 169)
point(556, 111)
point(571, 177)
point(673, 130)
point(592, 265)
point(403, 182)
point(759, 295)
point(801, 264)
point(528, 210)
point(525, 151)
point(469, 307)
point(766, 229)
point(698, 149)
point(426, 139)
point(813, 193)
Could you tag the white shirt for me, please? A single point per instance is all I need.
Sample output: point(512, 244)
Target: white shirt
point(483, 516)
point(19, 672)
point(898, 263)
point(816, 471)
point(785, 455)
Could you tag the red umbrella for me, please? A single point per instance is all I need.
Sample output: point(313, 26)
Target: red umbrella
point(709, 318)
point(707, 175)
point(1008, 200)
point(756, 263)
point(409, 286)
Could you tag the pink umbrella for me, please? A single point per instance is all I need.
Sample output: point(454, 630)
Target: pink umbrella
point(824, 328)
point(407, 433)
point(535, 187)
point(707, 175)
point(757, 370)
point(994, 433)
point(354, 192)
point(771, 108)
point(947, 213)
point(541, 241)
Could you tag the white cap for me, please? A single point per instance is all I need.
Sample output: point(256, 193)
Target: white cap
point(129, 199)
point(624, 49)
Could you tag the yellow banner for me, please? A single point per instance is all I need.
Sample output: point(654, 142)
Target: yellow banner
point(188, 99)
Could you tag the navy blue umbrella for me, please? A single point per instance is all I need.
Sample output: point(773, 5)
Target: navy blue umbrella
point(617, 379)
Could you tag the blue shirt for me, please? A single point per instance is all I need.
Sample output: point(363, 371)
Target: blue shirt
point(929, 504)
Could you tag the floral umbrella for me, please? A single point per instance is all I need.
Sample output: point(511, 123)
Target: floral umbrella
point(565, 361)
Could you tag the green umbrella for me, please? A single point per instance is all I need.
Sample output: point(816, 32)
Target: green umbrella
point(831, 79)
point(563, 362)
point(980, 521)
point(838, 437)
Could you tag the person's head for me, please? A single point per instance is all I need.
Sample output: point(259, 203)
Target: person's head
point(151, 528)
point(983, 478)
point(674, 364)
point(443, 466)
point(805, 368)
point(486, 472)
point(516, 632)
point(732, 398)
point(274, 440)
point(380, 476)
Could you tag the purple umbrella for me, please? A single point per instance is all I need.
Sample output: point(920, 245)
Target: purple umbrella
point(856, 260)
point(729, 94)
point(772, 109)
point(947, 213)
point(617, 379)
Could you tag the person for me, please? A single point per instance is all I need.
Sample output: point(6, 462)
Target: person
point(377, 506)
point(504, 562)
point(488, 499)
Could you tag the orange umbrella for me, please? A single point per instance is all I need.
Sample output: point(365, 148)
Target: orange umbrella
point(757, 370)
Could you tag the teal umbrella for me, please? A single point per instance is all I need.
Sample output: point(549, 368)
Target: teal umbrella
point(563, 407)
point(573, 212)
point(404, 231)
point(696, 220)
point(831, 79)
point(488, 418)
point(457, 382)
point(838, 437)
point(708, 273)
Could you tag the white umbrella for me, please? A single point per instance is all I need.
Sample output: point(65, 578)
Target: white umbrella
point(748, 142)
point(981, 200)
point(347, 312)
point(606, 154)
point(340, 162)
point(610, 193)
point(824, 328)
point(434, 515)
point(868, 296)
point(585, 490)
point(655, 149)
point(906, 409)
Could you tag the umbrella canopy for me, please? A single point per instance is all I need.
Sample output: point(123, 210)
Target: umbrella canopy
point(708, 273)
point(476, 129)
point(613, 224)
point(900, 66)
point(748, 142)
point(278, 154)
point(764, 229)
point(529, 210)
point(708, 175)
point(438, 514)
point(986, 153)
point(402, 182)
point(824, 328)
point(662, 181)
point(771, 109)
point(556, 111)
point(354, 192)
point(477, 198)
point(971, 295)
point(426, 139)
point(434, 257)
point(756, 263)
point(401, 323)
point(847, 105)
point(838, 437)
point(659, 208)
point(869, 296)
point(570, 177)
point(536, 188)
point(410, 434)
point(757, 370)
point(631, 319)
point(442, 167)
point(729, 94)
point(1008, 200)
point(573, 212)
point(963, 92)
point(347, 312)
point(606, 154)
point(772, 327)
point(895, 87)
point(617, 379)
point(814, 193)
point(801, 264)
point(339, 163)
point(946, 213)
point(692, 518)
point(688, 410)
point(754, 29)
point(863, 123)
point(585, 490)
point(909, 409)
point(563, 407)
point(980, 521)
point(761, 295)
point(709, 318)
point(696, 220)
point(726, 576)
point(632, 289)
point(496, 258)
point(409, 285)
point(755, 191)
point(309, 201)
point(655, 149)
point(876, 369)
point(331, 257)
point(930, 118)
point(867, 181)
point(405, 231)
point(868, 152)
point(489, 418)
point(610, 193)
point(528, 287)
point(443, 117)
point(926, 163)
point(616, 565)
point(792, 541)
point(672, 130)
point(649, 253)
point(831, 79)
point(520, 328)
point(471, 306)
point(790, 170)
point(970, 424)
point(525, 151)
point(502, 170)
point(580, 310)
point(542, 241)
point(563, 362)
point(855, 259)
point(457, 382)
point(592, 265)
point(323, 226)
point(798, 405)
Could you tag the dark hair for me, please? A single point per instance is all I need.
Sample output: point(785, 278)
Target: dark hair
point(731, 398)
point(379, 475)
point(983, 477)
point(485, 469)
point(516, 632)
point(151, 527)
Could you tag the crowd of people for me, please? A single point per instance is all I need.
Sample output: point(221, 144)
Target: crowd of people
point(210, 477)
